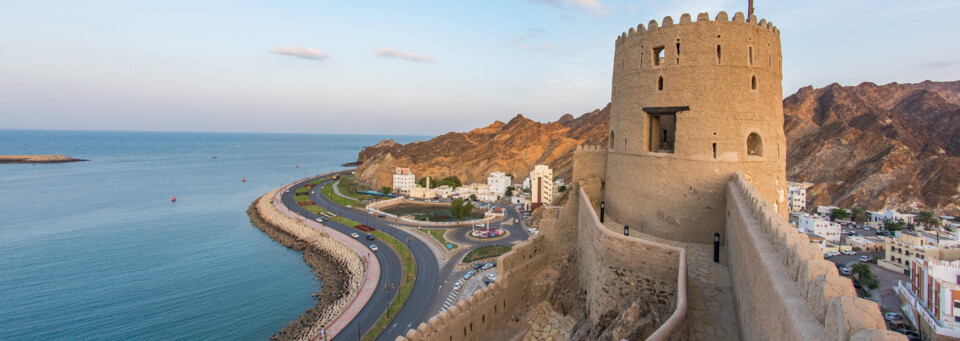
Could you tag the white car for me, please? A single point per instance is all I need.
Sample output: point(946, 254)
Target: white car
point(865, 259)
point(457, 286)
point(492, 276)
point(355, 235)
point(831, 254)
point(849, 252)
point(374, 247)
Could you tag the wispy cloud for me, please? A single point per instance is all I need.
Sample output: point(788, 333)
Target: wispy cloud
point(939, 64)
point(592, 6)
point(523, 42)
point(300, 52)
point(391, 53)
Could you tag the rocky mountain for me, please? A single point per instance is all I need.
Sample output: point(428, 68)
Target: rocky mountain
point(513, 148)
point(893, 146)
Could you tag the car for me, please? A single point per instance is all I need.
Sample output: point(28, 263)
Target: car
point(891, 316)
point(487, 281)
point(381, 215)
point(515, 220)
point(348, 206)
point(477, 265)
point(319, 220)
point(355, 235)
point(845, 271)
point(831, 254)
point(457, 285)
point(865, 259)
point(486, 266)
point(492, 276)
point(370, 237)
point(849, 252)
point(469, 274)
point(374, 247)
point(856, 284)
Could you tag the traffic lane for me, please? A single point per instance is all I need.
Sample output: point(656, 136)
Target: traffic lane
point(379, 300)
point(415, 308)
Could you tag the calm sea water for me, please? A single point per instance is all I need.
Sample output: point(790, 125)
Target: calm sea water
point(96, 250)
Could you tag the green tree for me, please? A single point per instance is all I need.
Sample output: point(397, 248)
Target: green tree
point(858, 215)
point(892, 226)
point(473, 197)
point(562, 189)
point(839, 213)
point(452, 181)
point(526, 190)
point(385, 190)
point(862, 272)
point(460, 209)
point(509, 192)
point(928, 219)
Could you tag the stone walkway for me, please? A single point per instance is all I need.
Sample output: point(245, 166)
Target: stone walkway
point(711, 314)
point(545, 324)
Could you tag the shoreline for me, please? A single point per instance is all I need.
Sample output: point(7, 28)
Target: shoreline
point(38, 159)
point(339, 274)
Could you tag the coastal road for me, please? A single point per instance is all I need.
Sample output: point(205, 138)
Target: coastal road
point(414, 310)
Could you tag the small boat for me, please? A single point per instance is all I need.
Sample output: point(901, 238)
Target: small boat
point(214, 157)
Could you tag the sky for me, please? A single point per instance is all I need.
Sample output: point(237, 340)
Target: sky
point(400, 67)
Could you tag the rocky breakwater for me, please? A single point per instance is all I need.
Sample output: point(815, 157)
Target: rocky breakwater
point(37, 159)
point(338, 266)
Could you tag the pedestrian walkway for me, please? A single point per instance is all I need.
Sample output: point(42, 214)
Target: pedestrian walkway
point(371, 278)
point(452, 299)
point(336, 190)
point(711, 314)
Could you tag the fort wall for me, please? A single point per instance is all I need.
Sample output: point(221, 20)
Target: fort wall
point(784, 289)
point(693, 102)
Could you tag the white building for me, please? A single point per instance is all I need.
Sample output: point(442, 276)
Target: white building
point(797, 196)
point(403, 180)
point(880, 217)
point(933, 293)
point(827, 229)
point(444, 191)
point(498, 182)
point(825, 210)
point(526, 183)
point(541, 185)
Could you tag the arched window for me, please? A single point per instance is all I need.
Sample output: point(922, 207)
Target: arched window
point(611, 140)
point(754, 145)
point(753, 83)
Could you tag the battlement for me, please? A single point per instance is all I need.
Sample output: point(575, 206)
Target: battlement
point(704, 17)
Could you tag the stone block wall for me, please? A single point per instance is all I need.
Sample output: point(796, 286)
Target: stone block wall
point(784, 288)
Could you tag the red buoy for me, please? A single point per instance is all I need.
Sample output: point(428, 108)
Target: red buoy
point(244, 179)
point(174, 199)
point(297, 166)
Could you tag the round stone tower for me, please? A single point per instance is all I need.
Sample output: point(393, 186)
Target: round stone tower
point(692, 104)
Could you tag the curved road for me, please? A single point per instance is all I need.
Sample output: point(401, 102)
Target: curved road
point(414, 310)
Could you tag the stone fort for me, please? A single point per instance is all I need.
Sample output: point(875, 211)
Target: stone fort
point(696, 152)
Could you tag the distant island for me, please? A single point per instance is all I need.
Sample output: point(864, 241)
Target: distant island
point(37, 159)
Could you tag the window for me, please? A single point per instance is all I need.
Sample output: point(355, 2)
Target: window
point(956, 319)
point(754, 145)
point(719, 60)
point(663, 129)
point(751, 55)
point(611, 139)
point(657, 55)
point(678, 51)
point(753, 83)
point(956, 304)
point(660, 83)
point(714, 150)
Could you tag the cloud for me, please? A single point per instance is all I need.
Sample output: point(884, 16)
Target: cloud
point(632, 8)
point(522, 41)
point(592, 6)
point(391, 53)
point(301, 52)
point(939, 64)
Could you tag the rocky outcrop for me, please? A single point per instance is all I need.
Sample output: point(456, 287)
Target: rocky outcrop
point(889, 146)
point(513, 148)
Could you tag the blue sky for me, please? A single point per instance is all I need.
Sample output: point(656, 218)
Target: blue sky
point(399, 67)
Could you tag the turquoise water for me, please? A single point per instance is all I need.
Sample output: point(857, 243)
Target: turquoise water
point(96, 249)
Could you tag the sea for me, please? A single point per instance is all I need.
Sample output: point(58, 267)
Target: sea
point(97, 250)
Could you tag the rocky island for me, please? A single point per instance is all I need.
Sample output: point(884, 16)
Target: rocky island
point(37, 159)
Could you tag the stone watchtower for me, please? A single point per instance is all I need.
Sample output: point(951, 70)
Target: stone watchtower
point(693, 103)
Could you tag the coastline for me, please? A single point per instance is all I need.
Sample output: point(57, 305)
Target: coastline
point(338, 268)
point(37, 159)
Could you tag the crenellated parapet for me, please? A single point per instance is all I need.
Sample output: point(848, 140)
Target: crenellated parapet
point(721, 17)
point(784, 288)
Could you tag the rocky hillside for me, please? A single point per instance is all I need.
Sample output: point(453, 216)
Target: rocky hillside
point(895, 145)
point(513, 148)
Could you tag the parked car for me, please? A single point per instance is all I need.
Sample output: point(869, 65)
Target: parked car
point(381, 215)
point(349, 206)
point(493, 262)
point(370, 237)
point(831, 254)
point(486, 266)
point(469, 274)
point(487, 281)
point(845, 271)
point(319, 220)
point(492, 276)
point(374, 247)
point(457, 285)
point(866, 259)
point(849, 252)
point(891, 316)
point(856, 284)
point(355, 235)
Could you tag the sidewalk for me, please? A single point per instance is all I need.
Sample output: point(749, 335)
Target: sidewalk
point(337, 191)
point(370, 280)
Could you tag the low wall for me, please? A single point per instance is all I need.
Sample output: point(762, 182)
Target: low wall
point(616, 270)
point(783, 288)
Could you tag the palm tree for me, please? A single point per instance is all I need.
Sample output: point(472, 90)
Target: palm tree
point(928, 218)
point(862, 272)
point(839, 213)
point(858, 215)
